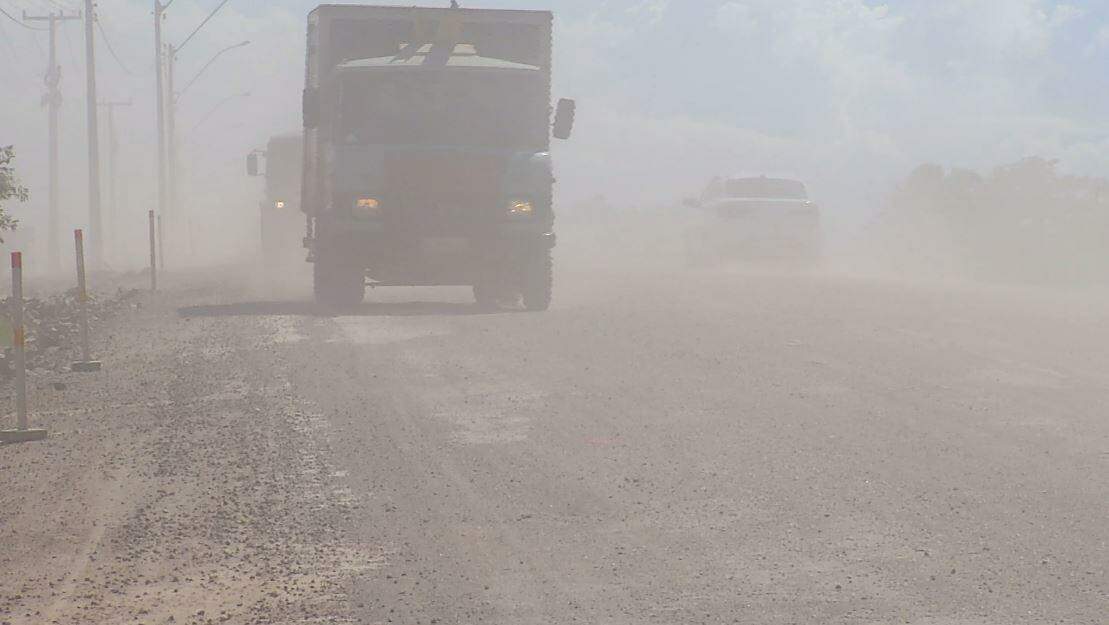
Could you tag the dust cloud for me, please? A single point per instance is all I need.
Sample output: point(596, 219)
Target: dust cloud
point(849, 97)
point(805, 322)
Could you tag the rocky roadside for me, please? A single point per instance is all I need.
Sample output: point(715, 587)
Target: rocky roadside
point(184, 483)
point(52, 325)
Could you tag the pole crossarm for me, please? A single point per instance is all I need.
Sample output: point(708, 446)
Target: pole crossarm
point(53, 73)
point(60, 16)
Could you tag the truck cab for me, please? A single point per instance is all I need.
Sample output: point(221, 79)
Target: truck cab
point(433, 164)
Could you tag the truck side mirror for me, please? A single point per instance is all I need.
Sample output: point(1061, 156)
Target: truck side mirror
point(252, 164)
point(564, 119)
point(310, 103)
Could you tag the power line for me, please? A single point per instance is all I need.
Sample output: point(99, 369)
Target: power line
point(197, 29)
point(111, 50)
point(9, 16)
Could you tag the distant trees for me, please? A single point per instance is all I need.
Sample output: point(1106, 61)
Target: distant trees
point(10, 189)
point(1023, 221)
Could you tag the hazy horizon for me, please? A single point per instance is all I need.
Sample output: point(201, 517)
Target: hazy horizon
point(847, 95)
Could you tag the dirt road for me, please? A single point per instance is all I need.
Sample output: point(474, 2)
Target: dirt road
point(664, 448)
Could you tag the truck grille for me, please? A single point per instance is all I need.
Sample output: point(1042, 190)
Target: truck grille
point(443, 191)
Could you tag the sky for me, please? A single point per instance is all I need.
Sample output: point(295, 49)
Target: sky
point(847, 94)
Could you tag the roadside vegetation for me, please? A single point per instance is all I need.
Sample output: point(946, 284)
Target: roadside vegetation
point(1023, 222)
point(10, 189)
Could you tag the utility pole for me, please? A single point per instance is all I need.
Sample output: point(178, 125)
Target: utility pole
point(171, 135)
point(159, 68)
point(169, 109)
point(95, 229)
point(113, 160)
point(53, 101)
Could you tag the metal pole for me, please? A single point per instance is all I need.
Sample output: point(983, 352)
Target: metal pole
point(94, 137)
point(153, 264)
point(19, 341)
point(159, 69)
point(161, 246)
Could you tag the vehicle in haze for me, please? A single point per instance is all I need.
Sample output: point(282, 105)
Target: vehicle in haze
point(751, 219)
point(426, 163)
point(280, 220)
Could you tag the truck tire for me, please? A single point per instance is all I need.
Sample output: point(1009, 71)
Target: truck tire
point(538, 281)
point(338, 285)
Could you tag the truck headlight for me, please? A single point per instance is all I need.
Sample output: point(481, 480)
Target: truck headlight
point(367, 207)
point(520, 208)
point(279, 204)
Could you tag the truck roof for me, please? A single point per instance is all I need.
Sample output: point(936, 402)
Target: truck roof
point(355, 9)
point(431, 56)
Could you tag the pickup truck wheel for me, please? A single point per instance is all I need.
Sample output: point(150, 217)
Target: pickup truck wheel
point(340, 286)
point(538, 281)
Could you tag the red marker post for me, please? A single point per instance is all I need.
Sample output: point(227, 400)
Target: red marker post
point(86, 364)
point(23, 433)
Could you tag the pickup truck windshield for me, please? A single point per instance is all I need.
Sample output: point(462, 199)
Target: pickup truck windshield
point(766, 188)
point(494, 109)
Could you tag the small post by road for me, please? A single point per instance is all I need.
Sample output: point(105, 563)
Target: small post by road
point(153, 257)
point(23, 433)
point(86, 364)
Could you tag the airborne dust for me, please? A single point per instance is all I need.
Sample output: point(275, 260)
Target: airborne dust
point(826, 341)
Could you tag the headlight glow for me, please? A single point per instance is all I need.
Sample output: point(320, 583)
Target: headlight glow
point(367, 207)
point(279, 204)
point(520, 208)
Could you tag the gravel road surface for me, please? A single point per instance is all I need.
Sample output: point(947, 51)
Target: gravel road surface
point(661, 447)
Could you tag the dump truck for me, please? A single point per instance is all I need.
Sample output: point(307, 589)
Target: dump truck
point(426, 151)
point(281, 224)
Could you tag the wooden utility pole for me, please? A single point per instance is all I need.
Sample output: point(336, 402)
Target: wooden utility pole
point(95, 225)
point(171, 136)
point(160, 96)
point(53, 100)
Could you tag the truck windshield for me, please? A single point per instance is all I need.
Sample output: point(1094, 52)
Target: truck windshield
point(496, 109)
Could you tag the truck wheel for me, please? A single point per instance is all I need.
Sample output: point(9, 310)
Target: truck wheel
point(338, 285)
point(538, 281)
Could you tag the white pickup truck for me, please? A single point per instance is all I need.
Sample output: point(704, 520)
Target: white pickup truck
point(752, 219)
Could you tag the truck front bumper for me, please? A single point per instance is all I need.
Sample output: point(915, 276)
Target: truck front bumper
point(396, 257)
